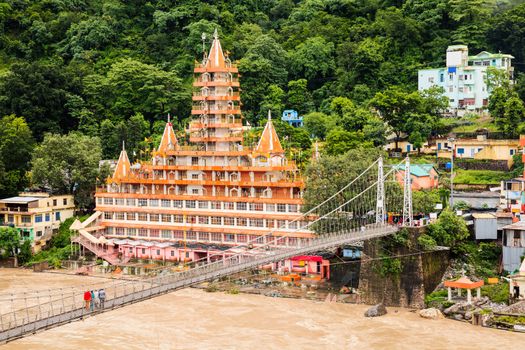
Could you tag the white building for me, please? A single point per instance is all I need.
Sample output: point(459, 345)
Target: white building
point(464, 78)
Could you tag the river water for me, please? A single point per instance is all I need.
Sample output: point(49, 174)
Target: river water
point(194, 319)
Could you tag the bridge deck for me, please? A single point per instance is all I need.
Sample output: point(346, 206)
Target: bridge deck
point(13, 328)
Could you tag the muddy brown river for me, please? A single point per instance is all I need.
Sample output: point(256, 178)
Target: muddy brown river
point(194, 319)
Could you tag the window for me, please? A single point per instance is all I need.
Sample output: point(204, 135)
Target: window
point(229, 206)
point(441, 77)
point(281, 208)
point(178, 234)
point(292, 225)
point(166, 234)
point(131, 216)
point(119, 231)
point(48, 217)
point(191, 235)
point(256, 223)
point(228, 237)
point(57, 216)
point(55, 202)
point(143, 232)
point(431, 79)
point(293, 241)
point(281, 223)
point(154, 233)
point(293, 208)
point(461, 150)
point(270, 207)
point(143, 217)
point(256, 206)
point(194, 160)
point(229, 221)
point(165, 203)
point(143, 250)
point(64, 201)
point(178, 219)
point(511, 152)
point(158, 251)
point(216, 220)
point(166, 218)
point(38, 218)
point(154, 217)
point(191, 219)
point(178, 204)
point(216, 237)
point(10, 218)
point(270, 223)
point(203, 220)
point(130, 202)
point(242, 222)
point(154, 202)
point(172, 253)
point(108, 215)
point(119, 201)
point(190, 204)
point(203, 204)
point(132, 231)
point(204, 236)
point(216, 205)
point(143, 202)
point(450, 89)
point(26, 219)
point(242, 238)
point(119, 216)
point(108, 201)
point(241, 206)
point(195, 176)
point(195, 191)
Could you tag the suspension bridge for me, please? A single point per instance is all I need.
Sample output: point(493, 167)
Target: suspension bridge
point(356, 212)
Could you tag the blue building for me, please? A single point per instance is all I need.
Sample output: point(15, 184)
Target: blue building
point(291, 117)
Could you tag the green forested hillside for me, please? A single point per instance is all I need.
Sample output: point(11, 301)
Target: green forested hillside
point(112, 69)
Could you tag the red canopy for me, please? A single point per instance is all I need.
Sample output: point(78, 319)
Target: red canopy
point(307, 258)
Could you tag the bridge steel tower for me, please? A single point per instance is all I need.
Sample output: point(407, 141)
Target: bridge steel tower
point(407, 196)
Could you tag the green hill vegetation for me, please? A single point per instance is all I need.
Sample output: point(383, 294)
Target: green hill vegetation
point(110, 71)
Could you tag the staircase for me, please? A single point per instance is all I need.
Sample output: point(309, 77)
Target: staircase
point(111, 258)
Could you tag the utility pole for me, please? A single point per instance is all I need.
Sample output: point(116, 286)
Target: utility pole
point(451, 140)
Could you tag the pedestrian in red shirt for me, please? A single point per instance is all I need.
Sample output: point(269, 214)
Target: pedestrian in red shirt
point(87, 299)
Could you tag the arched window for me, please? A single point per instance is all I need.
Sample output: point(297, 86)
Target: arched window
point(205, 91)
point(172, 190)
point(267, 193)
point(205, 77)
point(171, 160)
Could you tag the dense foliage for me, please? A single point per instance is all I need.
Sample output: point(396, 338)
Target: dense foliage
point(113, 69)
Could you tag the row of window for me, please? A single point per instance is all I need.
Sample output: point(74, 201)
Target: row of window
point(205, 220)
point(201, 236)
point(26, 219)
point(194, 204)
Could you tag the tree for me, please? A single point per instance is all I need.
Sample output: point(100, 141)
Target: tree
point(449, 229)
point(339, 141)
point(16, 145)
point(514, 115)
point(299, 97)
point(313, 59)
point(273, 101)
point(10, 243)
point(318, 124)
point(424, 202)
point(496, 106)
point(39, 91)
point(67, 164)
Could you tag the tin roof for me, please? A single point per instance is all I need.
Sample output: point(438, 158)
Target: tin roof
point(19, 200)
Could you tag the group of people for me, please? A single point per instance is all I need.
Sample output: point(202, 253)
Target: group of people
point(94, 298)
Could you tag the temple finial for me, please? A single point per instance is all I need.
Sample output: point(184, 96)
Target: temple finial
point(169, 118)
point(123, 145)
point(269, 115)
point(215, 34)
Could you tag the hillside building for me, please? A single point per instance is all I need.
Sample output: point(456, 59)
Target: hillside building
point(464, 78)
point(36, 215)
point(195, 201)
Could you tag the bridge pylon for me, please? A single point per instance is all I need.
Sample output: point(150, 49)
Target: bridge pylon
point(407, 196)
point(380, 201)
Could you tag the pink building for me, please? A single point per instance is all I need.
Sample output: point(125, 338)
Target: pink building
point(422, 176)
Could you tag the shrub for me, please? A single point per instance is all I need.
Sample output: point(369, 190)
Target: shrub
point(426, 242)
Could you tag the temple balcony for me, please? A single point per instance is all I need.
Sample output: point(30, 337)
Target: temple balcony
point(233, 83)
point(199, 110)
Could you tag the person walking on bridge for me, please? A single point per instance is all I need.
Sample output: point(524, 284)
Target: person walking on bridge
point(102, 297)
point(87, 299)
point(92, 301)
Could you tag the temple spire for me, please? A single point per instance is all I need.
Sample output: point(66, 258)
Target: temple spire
point(216, 57)
point(169, 140)
point(269, 141)
point(123, 164)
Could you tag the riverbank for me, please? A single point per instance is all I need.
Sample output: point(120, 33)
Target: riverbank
point(191, 319)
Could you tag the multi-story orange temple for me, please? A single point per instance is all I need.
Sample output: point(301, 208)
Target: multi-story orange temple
point(192, 202)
